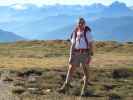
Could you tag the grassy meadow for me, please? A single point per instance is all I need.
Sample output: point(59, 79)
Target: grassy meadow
point(35, 70)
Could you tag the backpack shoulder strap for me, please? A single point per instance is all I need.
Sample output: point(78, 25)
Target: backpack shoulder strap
point(85, 31)
point(74, 33)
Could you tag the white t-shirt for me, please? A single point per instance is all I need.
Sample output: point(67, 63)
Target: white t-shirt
point(80, 40)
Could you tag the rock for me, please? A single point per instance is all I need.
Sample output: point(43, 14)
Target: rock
point(109, 86)
point(32, 79)
point(29, 72)
point(7, 79)
point(20, 78)
point(122, 73)
point(19, 83)
point(35, 91)
point(33, 71)
point(20, 74)
point(18, 90)
point(114, 96)
point(48, 90)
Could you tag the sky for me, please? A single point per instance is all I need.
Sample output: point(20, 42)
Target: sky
point(66, 2)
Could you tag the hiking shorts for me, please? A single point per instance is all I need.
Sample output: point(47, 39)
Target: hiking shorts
point(79, 58)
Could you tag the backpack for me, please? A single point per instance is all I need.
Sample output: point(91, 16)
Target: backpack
point(85, 31)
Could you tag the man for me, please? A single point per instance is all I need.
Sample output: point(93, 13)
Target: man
point(80, 53)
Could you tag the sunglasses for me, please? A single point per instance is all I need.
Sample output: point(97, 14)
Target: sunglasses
point(81, 21)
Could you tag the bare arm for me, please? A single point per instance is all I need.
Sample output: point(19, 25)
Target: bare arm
point(91, 43)
point(91, 47)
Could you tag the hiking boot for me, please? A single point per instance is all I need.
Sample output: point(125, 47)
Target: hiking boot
point(89, 83)
point(64, 88)
point(85, 93)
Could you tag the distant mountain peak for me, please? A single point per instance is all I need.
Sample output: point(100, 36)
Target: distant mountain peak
point(118, 4)
point(117, 7)
point(97, 4)
point(9, 36)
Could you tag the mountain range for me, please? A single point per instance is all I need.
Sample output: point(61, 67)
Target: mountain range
point(6, 36)
point(113, 22)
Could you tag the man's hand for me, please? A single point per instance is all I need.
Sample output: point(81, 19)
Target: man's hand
point(91, 52)
point(91, 49)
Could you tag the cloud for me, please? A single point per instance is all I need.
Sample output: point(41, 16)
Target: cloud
point(67, 2)
point(19, 7)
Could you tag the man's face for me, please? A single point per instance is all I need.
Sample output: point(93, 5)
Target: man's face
point(81, 23)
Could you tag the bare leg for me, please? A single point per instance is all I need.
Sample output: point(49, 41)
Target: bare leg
point(86, 78)
point(70, 72)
